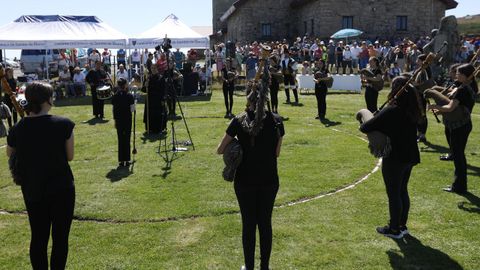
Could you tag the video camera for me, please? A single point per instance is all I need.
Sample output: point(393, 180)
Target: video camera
point(165, 46)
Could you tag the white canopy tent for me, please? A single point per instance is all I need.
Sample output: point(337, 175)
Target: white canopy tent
point(56, 32)
point(179, 33)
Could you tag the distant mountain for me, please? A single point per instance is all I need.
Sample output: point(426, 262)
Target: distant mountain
point(469, 25)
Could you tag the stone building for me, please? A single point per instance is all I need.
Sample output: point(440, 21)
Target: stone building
point(248, 20)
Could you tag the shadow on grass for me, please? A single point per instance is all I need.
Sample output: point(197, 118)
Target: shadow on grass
point(328, 123)
point(418, 256)
point(205, 97)
point(119, 173)
point(430, 147)
point(95, 121)
point(473, 204)
point(152, 137)
point(473, 170)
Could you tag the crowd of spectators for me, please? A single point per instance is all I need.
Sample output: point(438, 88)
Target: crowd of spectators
point(342, 56)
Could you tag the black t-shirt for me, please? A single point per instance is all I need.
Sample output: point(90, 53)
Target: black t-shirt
point(393, 122)
point(96, 77)
point(121, 102)
point(465, 96)
point(39, 143)
point(259, 163)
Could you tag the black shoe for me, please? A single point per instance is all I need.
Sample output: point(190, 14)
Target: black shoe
point(421, 138)
point(389, 232)
point(404, 230)
point(446, 157)
point(454, 190)
point(288, 101)
point(227, 116)
point(317, 117)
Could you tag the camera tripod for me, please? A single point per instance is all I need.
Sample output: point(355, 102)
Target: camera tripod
point(167, 150)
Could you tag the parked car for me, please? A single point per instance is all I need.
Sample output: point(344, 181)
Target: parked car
point(31, 61)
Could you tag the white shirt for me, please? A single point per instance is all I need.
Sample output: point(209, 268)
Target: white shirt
point(64, 76)
point(79, 78)
point(347, 55)
point(136, 56)
point(355, 52)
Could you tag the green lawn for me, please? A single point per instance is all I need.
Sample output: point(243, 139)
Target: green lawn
point(186, 217)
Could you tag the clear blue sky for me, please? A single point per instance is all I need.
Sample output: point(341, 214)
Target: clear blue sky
point(134, 17)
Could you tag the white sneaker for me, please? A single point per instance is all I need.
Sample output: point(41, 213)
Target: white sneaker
point(243, 267)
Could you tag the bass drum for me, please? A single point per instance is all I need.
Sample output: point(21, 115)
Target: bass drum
point(104, 92)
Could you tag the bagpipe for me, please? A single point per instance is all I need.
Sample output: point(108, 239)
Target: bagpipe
point(367, 73)
point(6, 88)
point(443, 95)
point(323, 76)
point(378, 142)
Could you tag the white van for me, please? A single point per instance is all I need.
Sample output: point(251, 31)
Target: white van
point(33, 60)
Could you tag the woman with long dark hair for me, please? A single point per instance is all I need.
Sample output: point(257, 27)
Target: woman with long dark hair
point(461, 98)
point(398, 121)
point(43, 146)
point(256, 181)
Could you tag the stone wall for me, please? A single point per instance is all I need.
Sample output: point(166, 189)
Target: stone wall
point(218, 8)
point(246, 23)
point(377, 18)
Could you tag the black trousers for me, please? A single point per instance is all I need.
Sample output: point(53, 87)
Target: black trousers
point(458, 142)
point(228, 88)
point(423, 122)
point(97, 105)
point(256, 207)
point(124, 130)
point(321, 95)
point(396, 175)
point(274, 96)
point(54, 213)
point(447, 136)
point(371, 97)
point(289, 83)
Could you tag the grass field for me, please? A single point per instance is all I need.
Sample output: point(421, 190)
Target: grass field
point(469, 25)
point(186, 217)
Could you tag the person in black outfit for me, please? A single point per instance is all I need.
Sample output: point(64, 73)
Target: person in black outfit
point(123, 106)
point(461, 98)
point(256, 180)
point(274, 83)
point(452, 83)
point(321, 88)
point(371, 94)
point(6, 98)
point(46, 178)
point(155, 113)
point(228, 77)
point(97, 77)
point(289, 70)
point(398, 122)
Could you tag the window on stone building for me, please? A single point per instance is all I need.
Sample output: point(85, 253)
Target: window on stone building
point(347, 22)
point(305, 29)
point(401, 23)
point(266, 30)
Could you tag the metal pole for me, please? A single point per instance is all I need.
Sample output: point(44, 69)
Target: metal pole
point(46, 63)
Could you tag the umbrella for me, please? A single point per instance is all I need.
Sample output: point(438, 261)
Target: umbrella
point(346, 33)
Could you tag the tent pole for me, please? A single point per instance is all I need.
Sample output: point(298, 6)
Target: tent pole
point(46, 63)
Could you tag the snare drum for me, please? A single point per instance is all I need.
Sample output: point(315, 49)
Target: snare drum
point(104, 92)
